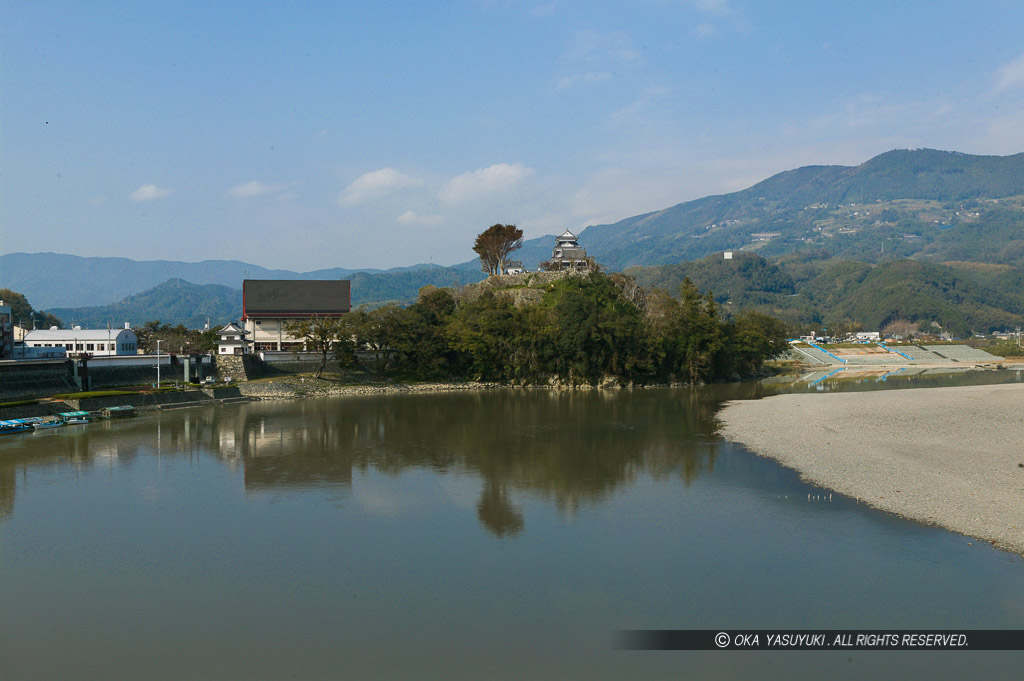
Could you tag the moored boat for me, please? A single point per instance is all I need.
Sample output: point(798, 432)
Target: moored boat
point(117, 412)
point(43, 424)
point(7, 427)
point(74, 418)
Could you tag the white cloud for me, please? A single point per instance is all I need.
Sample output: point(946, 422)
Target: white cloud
point(498, 178)
point(150, 192)
point(375, 185)
point(411, 218)
point(543, 10)
point(720, 7)
point(705, 30)
point(583, 79)
point(1010, 76)
point(255, 189)
point(614, 47)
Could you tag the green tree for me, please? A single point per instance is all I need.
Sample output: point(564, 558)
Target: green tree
point(700, 334)
point(381, 329)
point(320, 335)
point(23, 313)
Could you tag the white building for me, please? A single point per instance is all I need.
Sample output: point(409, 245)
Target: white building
point(95, 342)
point(232, 340)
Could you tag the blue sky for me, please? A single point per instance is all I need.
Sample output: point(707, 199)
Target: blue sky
point(384, 134)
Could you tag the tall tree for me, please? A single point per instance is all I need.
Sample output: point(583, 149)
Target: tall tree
point(320, 335)
point(494, 245)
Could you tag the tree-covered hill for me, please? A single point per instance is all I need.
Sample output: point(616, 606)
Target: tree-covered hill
point(925, 204)
point(174, 302)
point(809, 291)
point(177, 301)
point(44, 277)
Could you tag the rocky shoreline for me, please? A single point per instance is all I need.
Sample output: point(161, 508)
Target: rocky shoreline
point(294, 388)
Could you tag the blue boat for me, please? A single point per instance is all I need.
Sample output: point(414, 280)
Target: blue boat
point(7, 427)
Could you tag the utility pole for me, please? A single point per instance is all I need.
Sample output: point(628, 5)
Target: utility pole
point(158, 362)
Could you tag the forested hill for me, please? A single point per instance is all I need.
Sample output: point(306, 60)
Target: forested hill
point(44, 277)
point(177, 301)
point(174, 302)
point(811, 290)
point(925, 204)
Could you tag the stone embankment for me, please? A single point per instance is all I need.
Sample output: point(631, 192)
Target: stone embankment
point(308, 387)
point(521, 289)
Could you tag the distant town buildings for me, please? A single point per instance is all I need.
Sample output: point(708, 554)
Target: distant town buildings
point(269, 304)
point(77, 341)
point(567, 254)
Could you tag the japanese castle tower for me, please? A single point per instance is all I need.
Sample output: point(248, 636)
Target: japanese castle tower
point(567, 254)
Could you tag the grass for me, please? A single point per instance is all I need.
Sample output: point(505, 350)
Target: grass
point(94, 393)
point(19, 403)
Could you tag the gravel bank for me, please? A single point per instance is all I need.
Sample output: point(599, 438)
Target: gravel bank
point(943, 456)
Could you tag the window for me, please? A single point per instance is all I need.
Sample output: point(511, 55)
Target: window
point(90, 346)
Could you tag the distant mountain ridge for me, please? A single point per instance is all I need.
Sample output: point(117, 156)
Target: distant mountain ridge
point(921, 189)
point(926, 205)
point(174, 302)
point(45, 277)
point(177, 301)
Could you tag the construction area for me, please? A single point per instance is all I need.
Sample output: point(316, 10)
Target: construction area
point(883, 354)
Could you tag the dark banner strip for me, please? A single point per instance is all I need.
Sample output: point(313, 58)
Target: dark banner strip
point(820, 639)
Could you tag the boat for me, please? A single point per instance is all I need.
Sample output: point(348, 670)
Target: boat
point(7, 427)
point(75, 418)
point(42, 424)
point(117, 412)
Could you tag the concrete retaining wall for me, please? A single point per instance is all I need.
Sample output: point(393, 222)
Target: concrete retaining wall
point(139, 400)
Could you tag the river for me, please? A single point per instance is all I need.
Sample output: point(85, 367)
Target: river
point(472, 535)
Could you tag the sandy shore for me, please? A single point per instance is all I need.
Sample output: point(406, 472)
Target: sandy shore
point(943, 456)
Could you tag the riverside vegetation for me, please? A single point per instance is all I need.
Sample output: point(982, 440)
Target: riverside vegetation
point(592, 329)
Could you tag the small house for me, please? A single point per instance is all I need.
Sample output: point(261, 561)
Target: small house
point(232, 340)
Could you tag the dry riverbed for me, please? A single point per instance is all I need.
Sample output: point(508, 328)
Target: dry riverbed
point(952, 457)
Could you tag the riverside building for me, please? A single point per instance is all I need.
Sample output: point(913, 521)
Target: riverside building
point(268, 305)
point(78, 341)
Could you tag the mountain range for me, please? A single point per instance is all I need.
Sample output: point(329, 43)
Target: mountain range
point(930, 206)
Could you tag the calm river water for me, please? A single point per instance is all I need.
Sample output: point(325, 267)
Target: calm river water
point(478, 535)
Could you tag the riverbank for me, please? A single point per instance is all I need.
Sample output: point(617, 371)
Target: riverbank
point(950, 457)
point(303, 386)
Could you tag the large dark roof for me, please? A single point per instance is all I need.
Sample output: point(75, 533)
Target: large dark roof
point(295, 297)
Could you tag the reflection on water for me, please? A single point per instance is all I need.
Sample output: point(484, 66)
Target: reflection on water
point(482, 535)
point(572, 448)
point(863, 379)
